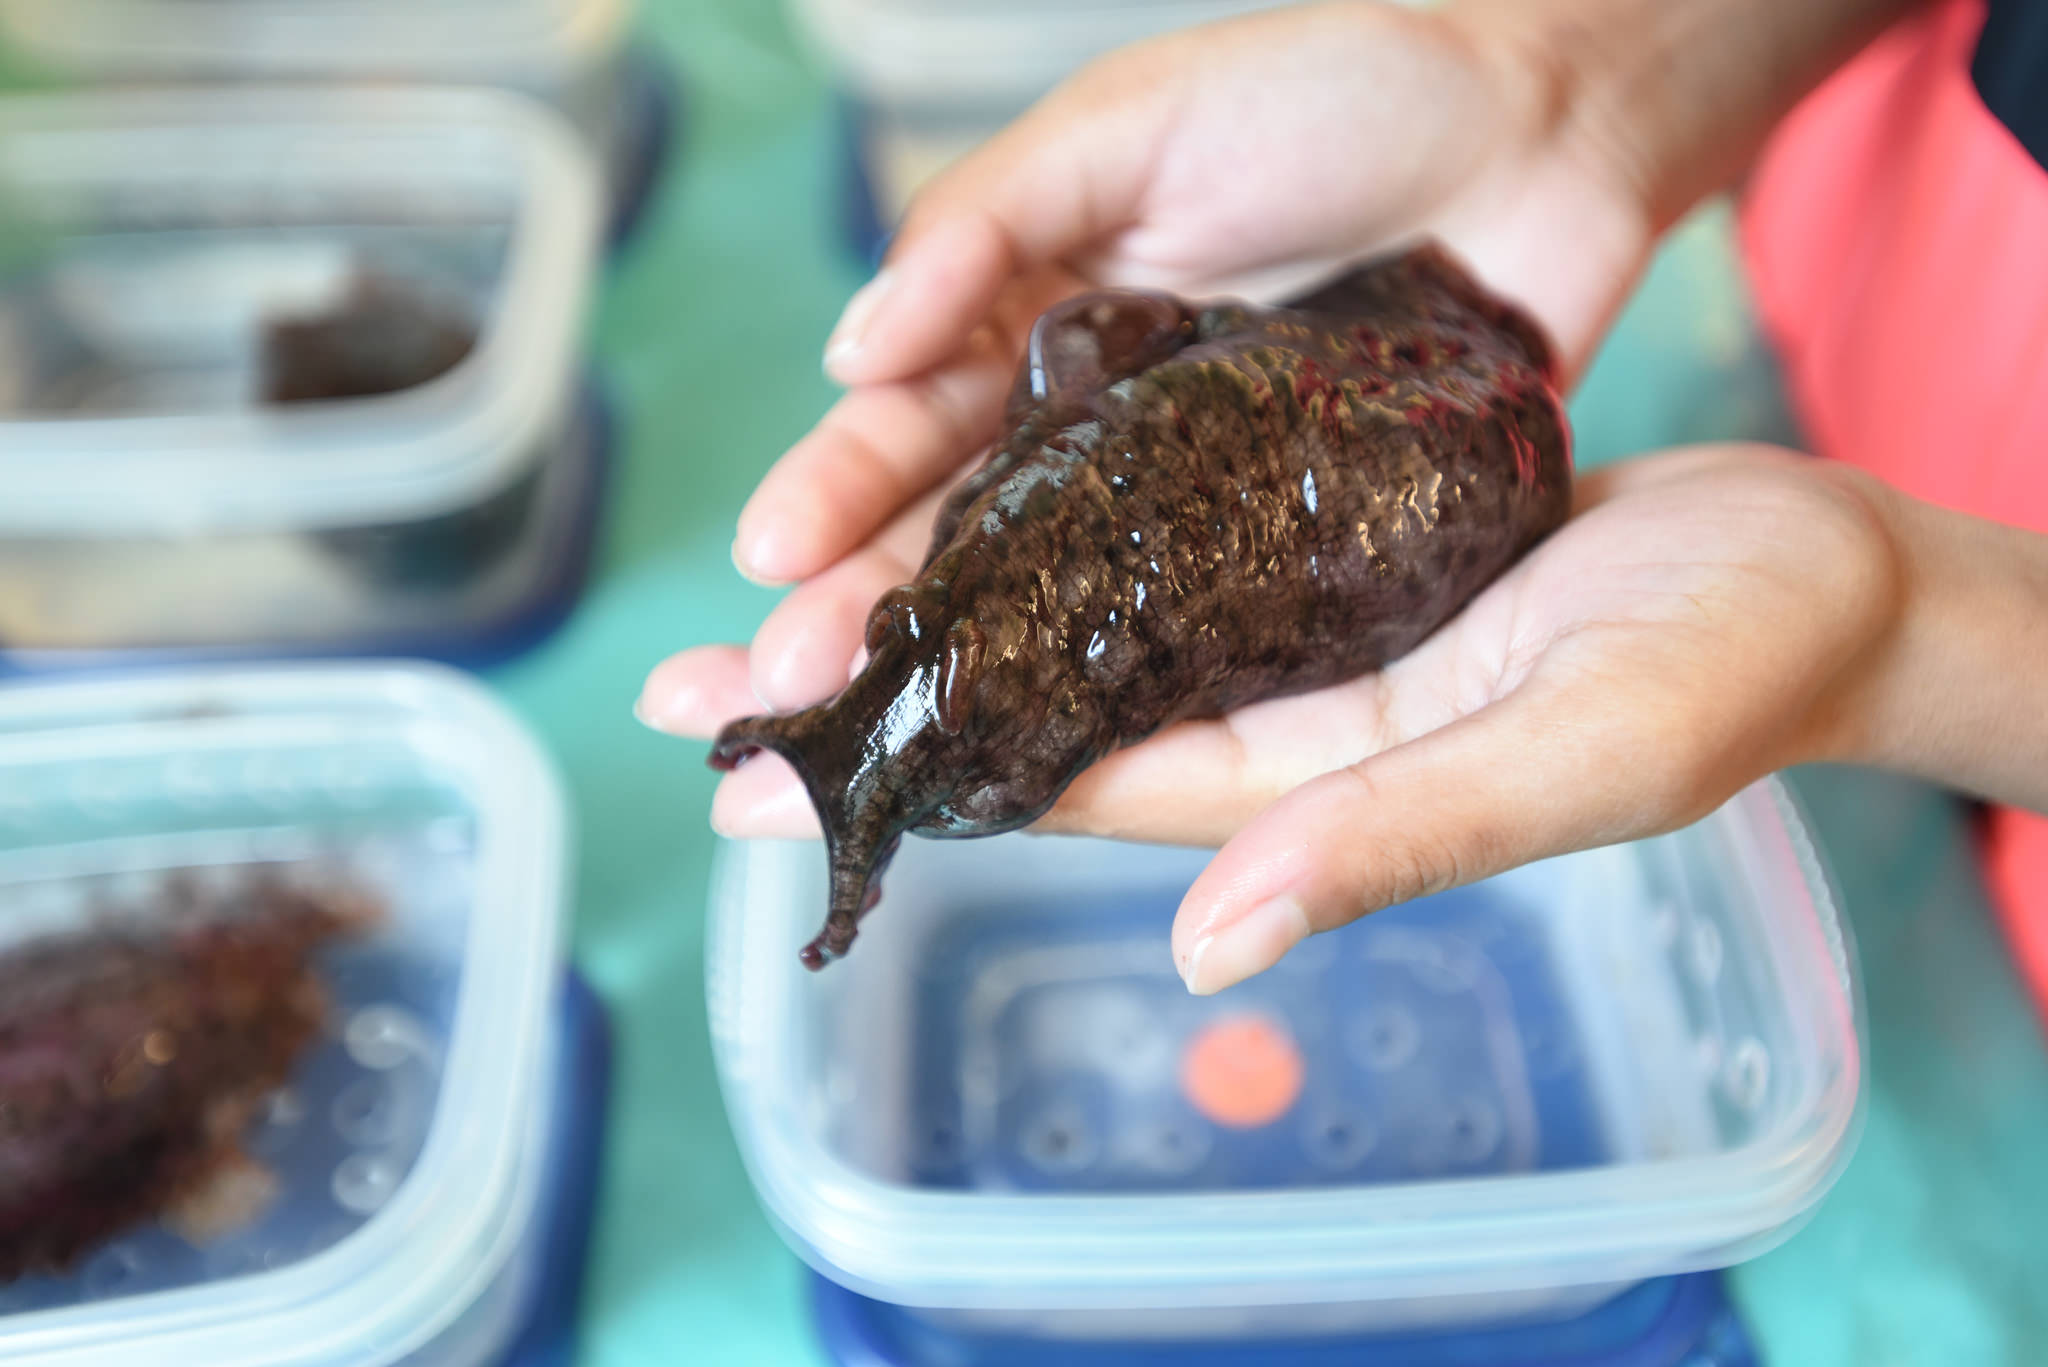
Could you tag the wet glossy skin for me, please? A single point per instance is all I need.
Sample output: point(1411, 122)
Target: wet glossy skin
point(1197, 507)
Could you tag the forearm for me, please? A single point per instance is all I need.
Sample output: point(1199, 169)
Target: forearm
point(1676, 96)
point(1958, 693)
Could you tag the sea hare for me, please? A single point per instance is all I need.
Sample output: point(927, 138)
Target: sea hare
point(1195, 506)
point(131, 1061)
point(382, 338)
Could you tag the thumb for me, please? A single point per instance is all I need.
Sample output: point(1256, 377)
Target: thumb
point(1066, 174)
point(1522, 779)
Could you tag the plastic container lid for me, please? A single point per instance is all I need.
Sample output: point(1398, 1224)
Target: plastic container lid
point(453, 40)
point(1628, 1063)
point(908, 52)
point(251, 160)
point(406, 1156)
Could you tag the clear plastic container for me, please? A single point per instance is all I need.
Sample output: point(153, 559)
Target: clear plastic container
point(564, 52)
point(571, 54)
point(1516, 1099)
point(159, 495)
point(929, 79)
point(407, 1151)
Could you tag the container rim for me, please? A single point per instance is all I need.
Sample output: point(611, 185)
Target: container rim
point(421, 1260)
point(544, 40)
point(1616, 1223)
point(929, 54)
point(395, 457)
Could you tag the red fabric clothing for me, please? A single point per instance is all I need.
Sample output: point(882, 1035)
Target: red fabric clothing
point(1896, 236)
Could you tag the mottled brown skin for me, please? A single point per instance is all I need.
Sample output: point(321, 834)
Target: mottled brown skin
point(1198, 507)
point(131, 1062)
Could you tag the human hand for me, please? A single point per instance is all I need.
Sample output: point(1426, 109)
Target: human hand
point(1707, 617)
point(1292, 140)
point(1234, 158)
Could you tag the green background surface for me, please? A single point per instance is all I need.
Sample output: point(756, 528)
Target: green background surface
point(1932, 1251)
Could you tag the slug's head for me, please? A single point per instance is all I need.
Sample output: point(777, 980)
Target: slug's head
point(883, 757)
point(1083, 345)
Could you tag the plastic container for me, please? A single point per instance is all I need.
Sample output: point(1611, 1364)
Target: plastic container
point(926, 80)
point(1515, 1100)
point(559, 1234)
point(572, 54)
point(410, 1147)
point(1683, 1321)
point(157, 499)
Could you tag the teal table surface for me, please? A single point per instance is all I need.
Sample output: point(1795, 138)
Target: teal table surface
point(1933, 1250)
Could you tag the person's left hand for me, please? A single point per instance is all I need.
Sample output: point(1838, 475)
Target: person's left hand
point(1706, 618)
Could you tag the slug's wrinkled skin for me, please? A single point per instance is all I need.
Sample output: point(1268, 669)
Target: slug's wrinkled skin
point(1196, 507)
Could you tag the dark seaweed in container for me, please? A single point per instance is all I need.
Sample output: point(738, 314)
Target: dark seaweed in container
point(132, 1060)
point(385, 337)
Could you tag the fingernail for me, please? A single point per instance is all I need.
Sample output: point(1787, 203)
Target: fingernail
point(848, 336)
point(744, 562)
point(785, 813)
point(672, 716)
point(1251, 944)
point(794, 676)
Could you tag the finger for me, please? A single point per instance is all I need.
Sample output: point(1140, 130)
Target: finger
point(1064, 175)
point(1521, 780)
point(763, 800)
point(1202, 782)
point(939, 281)
point(882, 446)
point(697, 692)
point(1199, 783)
point(804, 651)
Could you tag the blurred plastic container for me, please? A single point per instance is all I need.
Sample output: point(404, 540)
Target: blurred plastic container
point(411, 1151)
point(926, 80)
point(572, 54)
point(159, 496)
point(1513, 1102)
point(1685, 1321)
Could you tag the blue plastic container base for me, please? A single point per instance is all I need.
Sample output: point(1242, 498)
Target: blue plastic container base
point(651, 109)
point(1436, 1041)
point(1672, 1322)
point(564, 1218)
point(860, 213)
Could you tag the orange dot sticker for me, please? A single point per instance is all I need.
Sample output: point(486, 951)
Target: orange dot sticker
point(1241, 1072)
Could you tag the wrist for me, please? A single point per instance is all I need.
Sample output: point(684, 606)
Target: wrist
point(1854, 721)
point(1668, 98)
point(1951, 689)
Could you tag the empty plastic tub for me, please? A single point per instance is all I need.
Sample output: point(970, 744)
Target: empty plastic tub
point(926, 80)
point(408, 1149)
point(285, 369)
point(1511, 1101)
